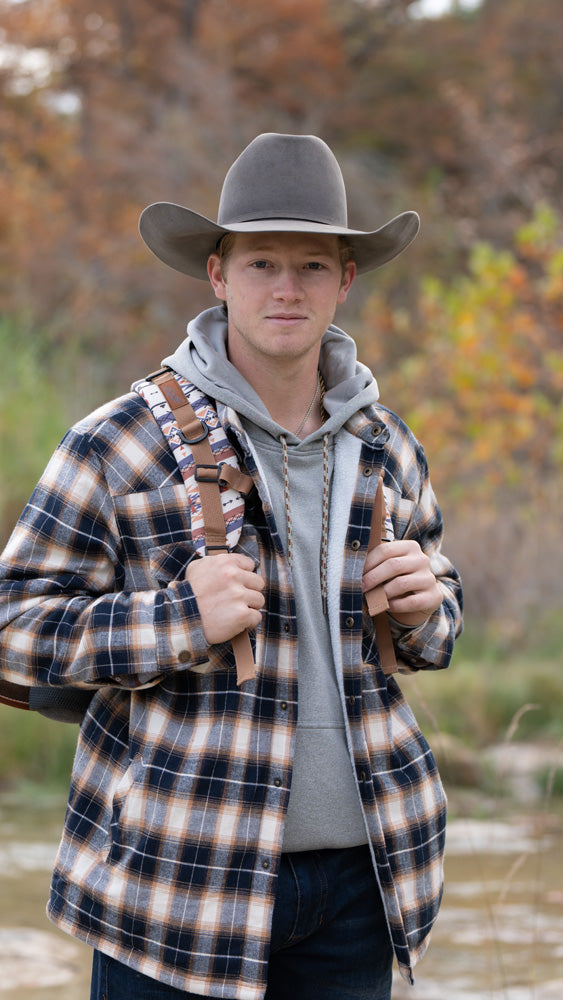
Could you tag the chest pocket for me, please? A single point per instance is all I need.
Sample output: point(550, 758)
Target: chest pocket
point(168, 562)
point(147, 521)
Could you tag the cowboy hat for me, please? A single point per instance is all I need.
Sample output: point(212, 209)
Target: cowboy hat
point(279, 183)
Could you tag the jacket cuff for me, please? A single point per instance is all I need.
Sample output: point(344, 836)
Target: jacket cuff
point(181, 644)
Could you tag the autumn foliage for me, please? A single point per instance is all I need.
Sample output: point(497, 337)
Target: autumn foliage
point(105, 108)
point(480, 377)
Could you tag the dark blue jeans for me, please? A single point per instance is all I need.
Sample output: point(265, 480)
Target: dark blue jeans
point(329, 937)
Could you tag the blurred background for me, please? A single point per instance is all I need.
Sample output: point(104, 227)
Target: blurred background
point(453, 109)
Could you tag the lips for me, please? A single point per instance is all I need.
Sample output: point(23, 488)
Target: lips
point(287, 317)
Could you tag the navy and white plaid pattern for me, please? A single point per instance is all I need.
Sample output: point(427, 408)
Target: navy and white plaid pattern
point(174, 826)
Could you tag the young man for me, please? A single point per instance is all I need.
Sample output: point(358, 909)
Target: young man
point(281, 836)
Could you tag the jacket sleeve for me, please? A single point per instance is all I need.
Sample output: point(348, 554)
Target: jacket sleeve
point(65, 615)
point(429, 645)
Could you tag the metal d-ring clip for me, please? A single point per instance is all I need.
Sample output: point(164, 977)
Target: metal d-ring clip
point(194, 440)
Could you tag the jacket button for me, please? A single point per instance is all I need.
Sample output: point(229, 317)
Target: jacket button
point(184, 656)
point(265, 864)
point(277, 782)
point(349, 622)
point(351, 699)
point(368, 471)
point(283, 706)
point(356, 544)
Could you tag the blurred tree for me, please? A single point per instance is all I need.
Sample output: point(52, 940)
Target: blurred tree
point(480, 377)
point(106, 108)
point(285, 59)
point(465, 108)
point(144, 100)
point(74, 182)
point(149, 100)
point(163, 96)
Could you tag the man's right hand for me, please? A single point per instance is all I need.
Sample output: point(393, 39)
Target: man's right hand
point(228, 593)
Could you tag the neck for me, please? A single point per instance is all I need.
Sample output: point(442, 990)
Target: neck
point(295, 404)
point(289, 394)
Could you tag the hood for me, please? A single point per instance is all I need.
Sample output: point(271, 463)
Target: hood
point(202, 359)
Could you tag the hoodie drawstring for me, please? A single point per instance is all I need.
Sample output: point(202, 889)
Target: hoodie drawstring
point(324, 524)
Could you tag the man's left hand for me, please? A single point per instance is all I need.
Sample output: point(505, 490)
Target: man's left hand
point(408, 581)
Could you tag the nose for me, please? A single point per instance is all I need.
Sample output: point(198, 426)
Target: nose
point(289, 285)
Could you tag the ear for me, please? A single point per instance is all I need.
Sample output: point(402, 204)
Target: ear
point(215, 275)
point(349, 275)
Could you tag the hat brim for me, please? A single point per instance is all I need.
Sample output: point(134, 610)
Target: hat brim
point(183, 240)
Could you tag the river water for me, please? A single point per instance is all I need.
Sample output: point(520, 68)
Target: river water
point(499, 935)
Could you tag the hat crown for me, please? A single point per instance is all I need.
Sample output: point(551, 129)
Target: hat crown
point(284, 177)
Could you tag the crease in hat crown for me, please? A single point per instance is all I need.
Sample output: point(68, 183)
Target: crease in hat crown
point(301, 175)
point(279, 183)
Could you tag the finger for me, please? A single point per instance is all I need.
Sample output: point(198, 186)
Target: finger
point(413, 609)
point(255, 599)
point(252, 620)
point(390, 550)
point(409, 584)
point(253, 581)
point(244, 562)
point(398, 567)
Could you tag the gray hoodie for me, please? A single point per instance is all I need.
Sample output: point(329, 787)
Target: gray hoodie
point(324, 807)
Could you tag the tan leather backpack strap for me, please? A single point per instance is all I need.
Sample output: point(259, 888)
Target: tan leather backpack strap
point(208, 475)
point(376, 599)
point(244, 657)
point(236, 479)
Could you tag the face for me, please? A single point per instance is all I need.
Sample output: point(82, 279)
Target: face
point(281, 290)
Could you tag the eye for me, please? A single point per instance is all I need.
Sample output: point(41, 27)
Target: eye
point(260, 265)
point(315, 265)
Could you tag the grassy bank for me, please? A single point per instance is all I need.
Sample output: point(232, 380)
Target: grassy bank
point(485, 699)
point(34, 750)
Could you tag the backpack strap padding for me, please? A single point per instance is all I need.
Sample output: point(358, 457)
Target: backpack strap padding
point(14, 695)
point(376, 600)
point(208, 475)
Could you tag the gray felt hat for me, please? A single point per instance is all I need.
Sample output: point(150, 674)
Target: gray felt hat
point(279, 183)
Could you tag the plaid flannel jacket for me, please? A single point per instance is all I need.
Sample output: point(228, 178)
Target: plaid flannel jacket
point(181, 780)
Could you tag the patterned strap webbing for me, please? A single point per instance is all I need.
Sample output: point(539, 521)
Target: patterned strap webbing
point(215, 485)
point(185, 415)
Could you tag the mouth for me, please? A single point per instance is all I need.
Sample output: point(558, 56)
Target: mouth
point(287, 317)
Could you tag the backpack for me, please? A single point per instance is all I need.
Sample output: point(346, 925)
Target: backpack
point(186, 427)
